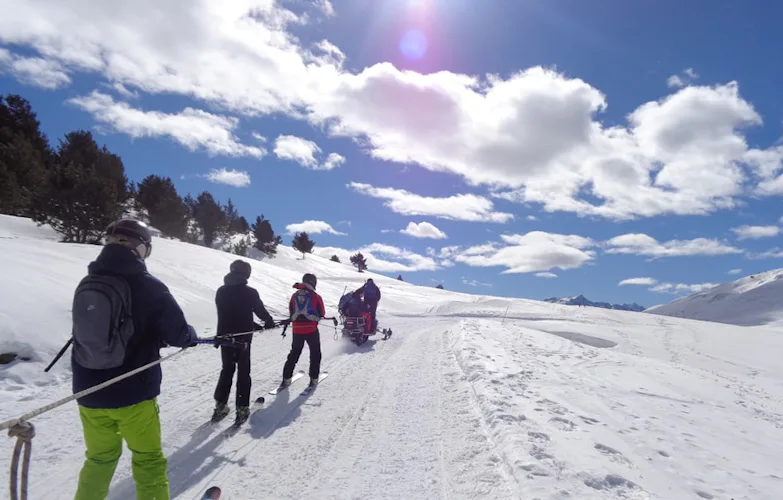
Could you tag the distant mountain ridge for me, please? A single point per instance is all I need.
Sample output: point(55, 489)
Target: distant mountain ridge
point(581, 300)
point(750, 301)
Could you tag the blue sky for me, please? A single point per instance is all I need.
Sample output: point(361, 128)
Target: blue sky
point(555, 148)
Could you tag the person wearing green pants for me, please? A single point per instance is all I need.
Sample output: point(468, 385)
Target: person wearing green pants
point(122, 316)
point(104, 430)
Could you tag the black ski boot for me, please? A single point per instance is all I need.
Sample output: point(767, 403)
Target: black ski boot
point(221, 411)
point(243, 413)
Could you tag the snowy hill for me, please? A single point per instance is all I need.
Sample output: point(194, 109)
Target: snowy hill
point(474, 397)
point(581, 300)
point(753, 300)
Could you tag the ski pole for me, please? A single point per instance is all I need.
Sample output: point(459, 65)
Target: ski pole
point(59, 355)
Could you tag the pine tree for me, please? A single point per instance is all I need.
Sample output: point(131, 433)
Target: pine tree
point(241, 226)
point(232, 218)
point(240, 247)
point(335, 259)
point(210, 217)
point(400, 278)
point(359, 262)
point(26, 158)
point(303, 243)
point(266, 239)
point(440, 287)
point(87, 190)
point(165, 208)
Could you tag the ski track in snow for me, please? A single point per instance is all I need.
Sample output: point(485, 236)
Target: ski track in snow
point(472, 397)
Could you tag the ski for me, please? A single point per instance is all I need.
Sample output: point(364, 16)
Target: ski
point(310, 388)
point(212, 493)
point(281, 387)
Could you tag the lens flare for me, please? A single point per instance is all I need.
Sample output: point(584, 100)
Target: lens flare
point(413, 44)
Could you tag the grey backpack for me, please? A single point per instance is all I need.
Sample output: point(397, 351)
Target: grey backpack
point(102, 322)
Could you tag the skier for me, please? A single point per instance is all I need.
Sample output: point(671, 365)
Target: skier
point(105, 346)
point(307, 309)
point(372, 295)
point(236, 303)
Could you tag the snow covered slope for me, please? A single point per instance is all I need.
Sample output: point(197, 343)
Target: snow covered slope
point(548, 402)
point(753, 300)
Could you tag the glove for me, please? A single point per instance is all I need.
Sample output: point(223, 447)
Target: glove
point(270, 324)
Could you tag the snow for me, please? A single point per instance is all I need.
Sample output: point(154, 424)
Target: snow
point(472, 397)
point(749, 301)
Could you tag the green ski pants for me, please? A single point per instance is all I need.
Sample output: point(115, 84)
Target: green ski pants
point(104, 431)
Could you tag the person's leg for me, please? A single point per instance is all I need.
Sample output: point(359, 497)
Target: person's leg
point(104, 447)
point(223, 388)
point(314, 345)
point(297, 344)
point(373, 310)
point(244, 383)
point(140, 426)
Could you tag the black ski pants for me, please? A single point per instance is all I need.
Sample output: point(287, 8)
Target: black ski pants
point(372, 307)
point(298, 340)
point(235, 359)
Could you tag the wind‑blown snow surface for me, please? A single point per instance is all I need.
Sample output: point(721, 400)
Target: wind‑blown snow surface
point(750, 301)
point(473, 396)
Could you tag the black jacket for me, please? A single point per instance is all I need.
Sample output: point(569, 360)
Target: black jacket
point(157, 320)
point(236, 302)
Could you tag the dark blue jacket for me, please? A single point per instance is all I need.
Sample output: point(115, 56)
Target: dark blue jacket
point(236, 303)
point(158, 321)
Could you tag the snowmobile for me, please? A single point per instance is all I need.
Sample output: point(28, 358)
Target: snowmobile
point(360, 328)
point(356, 323)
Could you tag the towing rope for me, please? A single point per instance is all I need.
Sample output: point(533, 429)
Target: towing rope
point(24, 431)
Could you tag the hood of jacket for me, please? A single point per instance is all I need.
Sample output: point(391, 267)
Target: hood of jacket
point(234, 278)
point(304, 286)
point(117, 259)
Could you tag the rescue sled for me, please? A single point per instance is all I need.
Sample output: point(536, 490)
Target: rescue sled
point(360, 329)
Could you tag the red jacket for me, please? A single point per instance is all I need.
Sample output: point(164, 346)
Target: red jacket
point(306, 326)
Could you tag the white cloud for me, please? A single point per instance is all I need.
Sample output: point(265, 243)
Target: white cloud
point(259, 137)
point(39, 72)
point(533, 137)
point(531, 217)
point(424, 230)
point(475, 283)
point(465, 207)
point(687, 76)
point(638, 281)
point(304, 152)
point(326, 6)
point(546, 275)
point(312, 227)
point(755, 232)
point(642, 244)
point(678, 288)
point(531, 252)
point(384, 258)
point(334, 160)
point(230, 177)
point(772, 253)
point(192, 128)
point(675, 81)
point(735, 271)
